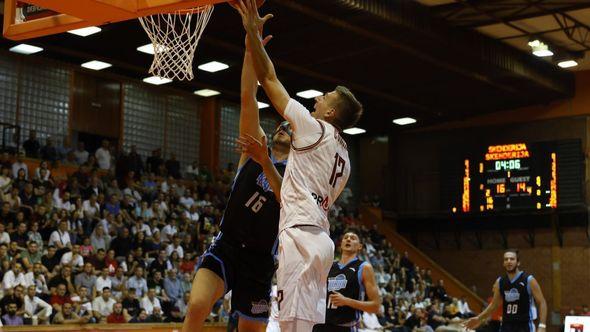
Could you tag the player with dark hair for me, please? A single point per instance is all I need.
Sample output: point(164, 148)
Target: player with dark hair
point(317, 173)
point(350, 279)
point(241, 258)
point(518, 291)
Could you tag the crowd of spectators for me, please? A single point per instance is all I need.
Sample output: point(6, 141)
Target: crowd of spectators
point(118, 241)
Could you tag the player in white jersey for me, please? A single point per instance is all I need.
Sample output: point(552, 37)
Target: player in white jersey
point(317, 171)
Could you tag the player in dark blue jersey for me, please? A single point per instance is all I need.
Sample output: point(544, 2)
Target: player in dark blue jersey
point(241, 258)
point(519, 291)
point(349, 282)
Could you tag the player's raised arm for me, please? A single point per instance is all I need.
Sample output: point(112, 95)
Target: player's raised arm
point(475, 322)
point(263, 66)
point(249, 113)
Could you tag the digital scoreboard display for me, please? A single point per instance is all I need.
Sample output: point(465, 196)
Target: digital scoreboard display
point(509, 177)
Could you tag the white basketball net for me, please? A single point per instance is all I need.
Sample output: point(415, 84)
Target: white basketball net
point(175, 37)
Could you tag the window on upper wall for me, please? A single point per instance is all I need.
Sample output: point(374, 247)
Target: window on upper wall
point(44, 99)
point(183, 129)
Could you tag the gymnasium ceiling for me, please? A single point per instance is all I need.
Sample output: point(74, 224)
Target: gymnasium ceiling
point(434, 60)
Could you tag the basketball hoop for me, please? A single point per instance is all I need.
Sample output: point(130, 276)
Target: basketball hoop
point(175, 37)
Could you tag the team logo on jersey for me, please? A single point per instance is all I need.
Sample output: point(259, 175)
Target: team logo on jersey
point(259, 307)
point(512, 295)
point(321, 201)
point(263, 183)
point(337, 283)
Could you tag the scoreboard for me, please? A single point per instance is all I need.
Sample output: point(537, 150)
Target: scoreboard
point(519, 176)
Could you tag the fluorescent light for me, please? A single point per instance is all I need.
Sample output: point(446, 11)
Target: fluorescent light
point(25, 49)
point(308, 94)
point(207, 92)
point(540, 49)
point(155, 80)
point(85, 32)
point(213, 66)
point(542, 53)
point(354, 131)
point(96, 65)
point(404, 121)
point(262, 105)
point(149, 48)
point(567, 63)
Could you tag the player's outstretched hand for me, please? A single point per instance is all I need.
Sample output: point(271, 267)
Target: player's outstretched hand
point(338, 299)
point(472, 323)
point(255, 149)
point(251, 20)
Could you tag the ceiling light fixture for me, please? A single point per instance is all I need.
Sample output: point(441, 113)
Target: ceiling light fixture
point(213, 66)
point(308, 94)
point(207, 93)
point(262, 105)
point(25, 49)
point(404, 121)
point(567, 63)
point(155, 80)
point(96, 65)
point(85, 32)
point(354, 131)
point(540, 49)
point(149, 49)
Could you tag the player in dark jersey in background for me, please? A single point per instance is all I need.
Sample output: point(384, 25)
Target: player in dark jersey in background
point(349, 280)
point(518, 291)
point(241, 257)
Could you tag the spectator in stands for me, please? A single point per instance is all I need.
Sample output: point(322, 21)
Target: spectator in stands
point(192, 171)
point(119, 315)
point(118, 282)
point(11, 318)
point(68, 316)
point(149, 302)
point(31, 145)
point(35, 307)
point(172, 286)
point(34, 236)
point(20, 235)
point(103, 156)
point(102, 306)
point(173, 166)
point(60, 298)
point(99, 239)
point(64, 278)
point(87, 279)
point(50, 260)
point(49, 151)
point(20, 164)
point(36, 277)
point(61, 237)
point(156, 316)
point(4, 236)
point(13, 277)
point(182, 303)
point(73, 258)
point(155, 161)
point(138, 282)
point(31, 255)
point(81, 153)
point(5, 180)
point(142, 317)
point(122, 244)
point(175, 247)
point(160, 263)
point(131, 303)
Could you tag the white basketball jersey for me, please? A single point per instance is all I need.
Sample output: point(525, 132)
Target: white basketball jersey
point(314, 178)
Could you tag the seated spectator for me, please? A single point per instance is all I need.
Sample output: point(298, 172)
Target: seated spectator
point(50, 259)
point(11, 318)
point(119, 315)
point(36, 308)
point(150, 302)
point(87, 279)
point(4, 236)
point(35, 236)
point(36, 278)
point(122, 244)
point(156, 316)
point(175, 246)
point(138, 282)
point(64, 277)
point(118, 281)
point(60, 298)
point(13, 277)
point(73, 258)
point(81, 154)
point(131, 303)
point(102, 306)
point(98, 260)
point(172, 286)
point(86, 249)
point(175, 316)
point(68, 316)
point(182, 303)
point(61, 237)
point(142, 317)
point(13, 295)
point(20, 164)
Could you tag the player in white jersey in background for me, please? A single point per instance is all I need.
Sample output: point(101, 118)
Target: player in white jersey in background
point(317, 171)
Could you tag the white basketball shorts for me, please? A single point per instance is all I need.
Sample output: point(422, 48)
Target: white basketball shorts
point(305, 255)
